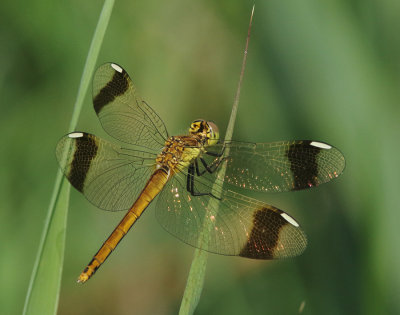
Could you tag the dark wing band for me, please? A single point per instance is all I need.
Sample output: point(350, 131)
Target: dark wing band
point(280, 166)
point(109, 176)
point(235, 225)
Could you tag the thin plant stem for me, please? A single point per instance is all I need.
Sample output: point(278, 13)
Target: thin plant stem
point(195, 281)
point(44, 286)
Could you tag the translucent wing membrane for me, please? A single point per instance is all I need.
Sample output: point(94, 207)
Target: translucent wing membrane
point(235, 225)
point(280, 166)
point(195, 205)
point(121, 111)
point(109, 176)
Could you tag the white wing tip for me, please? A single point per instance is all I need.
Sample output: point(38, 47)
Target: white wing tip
point(76, 135)
point(116, 67)
point(321, 145)
point(289, 219)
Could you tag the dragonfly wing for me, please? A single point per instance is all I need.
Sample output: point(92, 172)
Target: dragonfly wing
point(109, 176)
point(122, 113)
point(235, 225)
point(279, 166)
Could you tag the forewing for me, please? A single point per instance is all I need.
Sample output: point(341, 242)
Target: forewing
point(279, 166)
point(109, 176)
point(121, 111)
point(235, 225)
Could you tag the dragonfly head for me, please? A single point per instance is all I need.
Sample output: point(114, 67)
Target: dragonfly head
point(206, 129)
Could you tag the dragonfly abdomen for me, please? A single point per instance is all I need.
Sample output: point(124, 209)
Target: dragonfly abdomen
point(153, 187)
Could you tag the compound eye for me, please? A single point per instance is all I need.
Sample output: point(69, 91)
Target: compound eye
point(213, 134)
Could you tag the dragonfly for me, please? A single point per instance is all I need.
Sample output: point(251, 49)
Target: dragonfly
point(200, 180)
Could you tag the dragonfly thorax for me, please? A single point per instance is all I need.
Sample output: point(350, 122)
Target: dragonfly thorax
point(179, 152)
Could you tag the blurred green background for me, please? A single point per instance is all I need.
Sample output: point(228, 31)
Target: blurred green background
point(322, 70)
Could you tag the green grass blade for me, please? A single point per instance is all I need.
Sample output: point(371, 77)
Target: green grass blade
point(44, 287)
point(195, 281)
point(43, 294)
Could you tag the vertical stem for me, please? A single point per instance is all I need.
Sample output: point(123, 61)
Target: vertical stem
point(195, 281)
point(44, 286)
point(232, 119)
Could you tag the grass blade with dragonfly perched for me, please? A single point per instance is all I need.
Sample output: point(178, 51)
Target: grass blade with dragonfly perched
point(195, 281)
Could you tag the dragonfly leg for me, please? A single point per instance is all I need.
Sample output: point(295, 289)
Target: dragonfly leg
point(190, 182)
point(219, 154)
point(212, 167)
point(189, 179)
point(215, 153)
